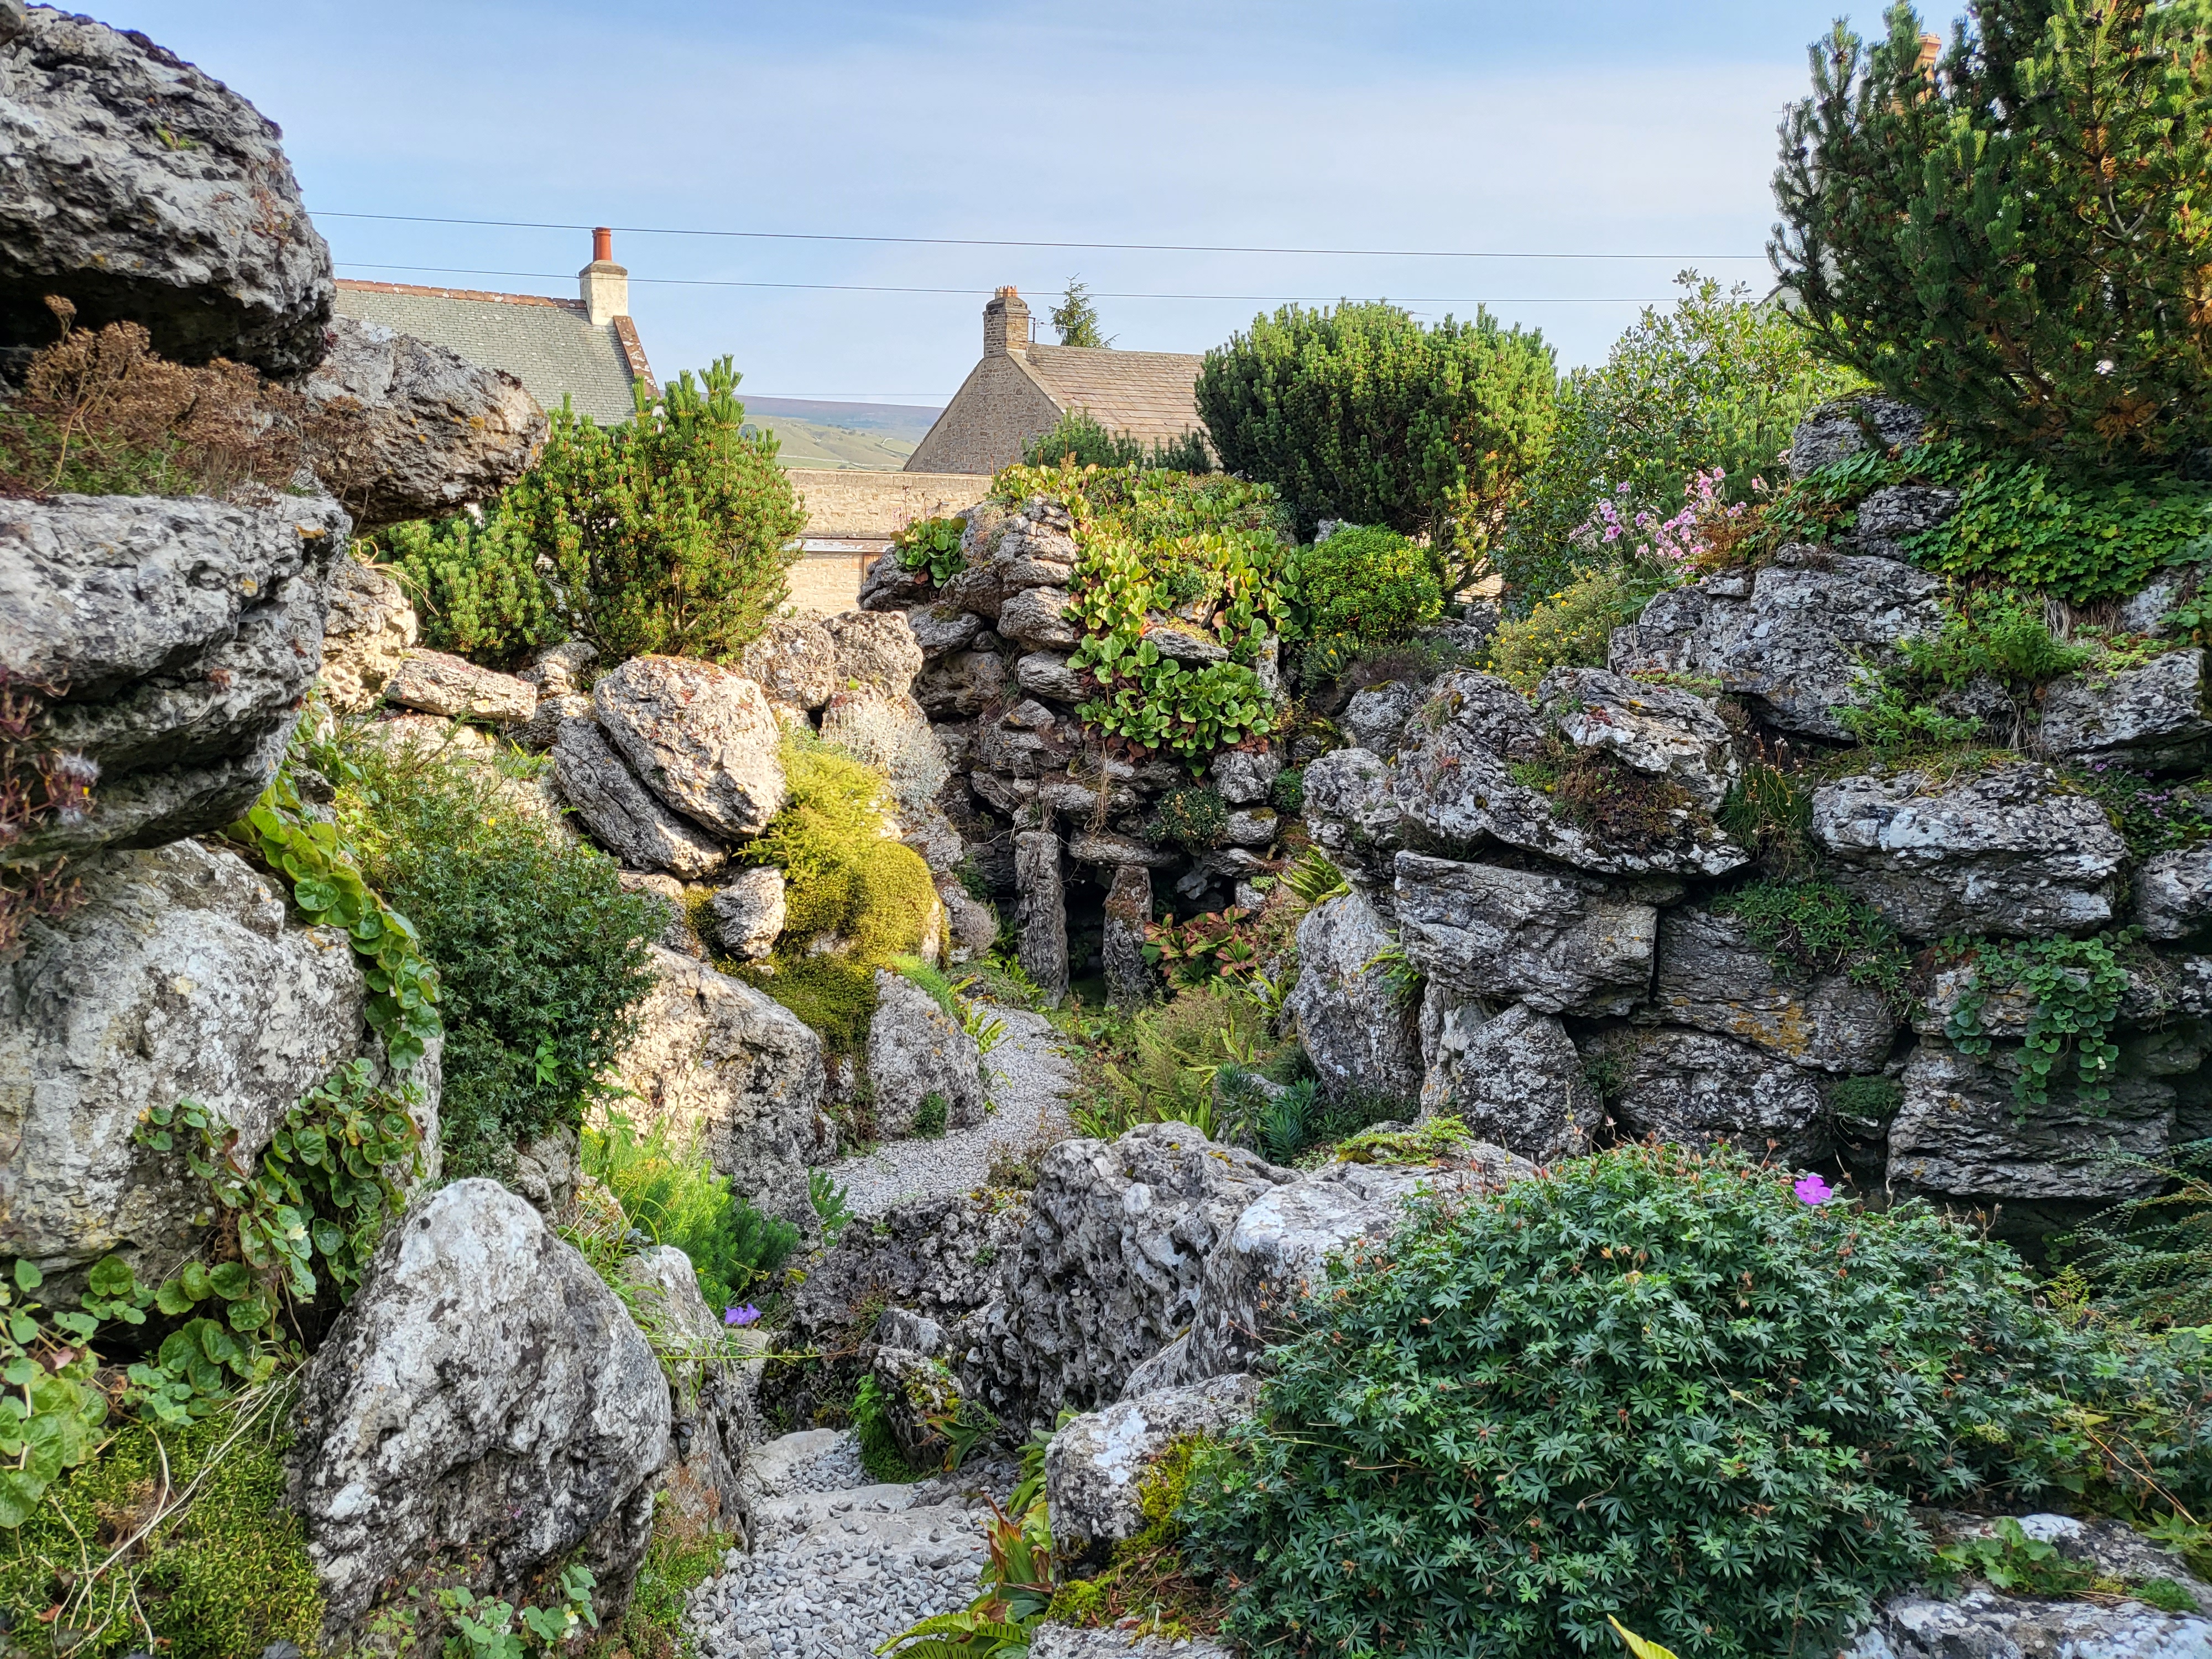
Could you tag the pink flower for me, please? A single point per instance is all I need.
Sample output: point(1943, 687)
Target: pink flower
point(1814, 1190)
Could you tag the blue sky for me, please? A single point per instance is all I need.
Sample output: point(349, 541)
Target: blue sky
point(1604, 126)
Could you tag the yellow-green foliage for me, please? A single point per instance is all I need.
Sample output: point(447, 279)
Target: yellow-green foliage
point(1146, 1577)
point(221, 1576)
point(1570, 629)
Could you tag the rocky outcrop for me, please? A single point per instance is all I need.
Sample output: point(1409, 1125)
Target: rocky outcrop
point(1130, 980)
point(1095, 1468)
point(1558, 944)
point(964, 683)
point(1516, 1080)
point(179, 977)
point(1037, 616)
point(398, 428)
point(1360, 1028)
point(748, 913)
point(915, 1049)
point(623, 816)
point(716, 1059)
point(184, 635)
point(701, 738)
point(439, 683)
point(794, 662)
point(1377, 714)
point(875, 652)
point(1696, 1089)
point(1713, 975)
point(1352, 812)
point(144, 191)
point(1836, 431)
point(484, 1406)
point(2009, 850)
point(710, 1406)
point(369, 629)
point(2152, 716)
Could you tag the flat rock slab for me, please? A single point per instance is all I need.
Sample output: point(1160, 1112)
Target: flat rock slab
point(438, 682)
point(1696, 1089)
point(623, 816)
point(1712, 975)
point(2154, 715)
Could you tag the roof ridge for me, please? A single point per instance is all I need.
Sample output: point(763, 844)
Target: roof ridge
point(358, 286)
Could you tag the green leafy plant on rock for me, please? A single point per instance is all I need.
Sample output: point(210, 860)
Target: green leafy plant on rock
point(476, 586)
point(932, 545)
point(1813, 926)
point(2075, 985)
point(1365, 583)
point(671, 1192)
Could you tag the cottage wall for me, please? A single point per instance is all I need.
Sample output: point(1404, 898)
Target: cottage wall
point(1000, 408)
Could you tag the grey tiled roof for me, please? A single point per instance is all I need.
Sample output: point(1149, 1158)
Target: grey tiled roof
point(1150, 395)
point(547, 345)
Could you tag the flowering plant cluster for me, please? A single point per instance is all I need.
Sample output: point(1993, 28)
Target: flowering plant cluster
point(1683, 542)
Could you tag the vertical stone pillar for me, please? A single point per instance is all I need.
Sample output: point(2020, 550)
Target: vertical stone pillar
point(1043, 910)
point(1129, 978)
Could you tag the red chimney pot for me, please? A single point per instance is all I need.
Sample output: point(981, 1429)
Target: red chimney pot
point(603, 245)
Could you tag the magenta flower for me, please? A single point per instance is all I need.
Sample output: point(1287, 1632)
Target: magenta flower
point(1814, 1190)
point(744, 1316)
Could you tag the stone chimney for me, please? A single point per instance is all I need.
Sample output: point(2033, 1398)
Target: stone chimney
point(602, 284)
point(1005, 324)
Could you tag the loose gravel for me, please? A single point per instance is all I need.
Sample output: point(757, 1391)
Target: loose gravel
point(1029, 1081)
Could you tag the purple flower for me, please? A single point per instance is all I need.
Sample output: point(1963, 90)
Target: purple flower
point(1814, 1190)
point(746, 1315)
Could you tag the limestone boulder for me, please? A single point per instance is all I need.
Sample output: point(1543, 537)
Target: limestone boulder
point(1352, 808)
point(892, 734)
point(1130, 980)
point(2151, 716)
point(1657, 730)
point(794, 662)
point(716, 1059)
point(563, 670)
point(962, 685)
point(1037, 617)
point(183, 634)
point(1377, 714)
point(915, 1388)
point(623, 815)
point(144, 191)
point(1836, 431)
point(875, 651)
point(1516, 1079)
point(971, 925)
point(1096, 1465)
point(940, 629)
point(370, 630)
point(1026, 741)
point(399, 429)
point(1254, 826)
point(438, 682)
point(1698, 1088)
point(1244, 776)
point(2008, 850)
point(1046, 674)
point(1360, 1029)
point(2173, 893)
point(915, 1049)
point(1107, 848)
point(547, 1168)
point(748, 914)
point(702, 738)
point(1042, 910)
point(1889, 520)
point(1069, 1642)
point(711, 1413)
point(1560, 945)
point(485, 1404)
point(1713, 975)
point(889, 586)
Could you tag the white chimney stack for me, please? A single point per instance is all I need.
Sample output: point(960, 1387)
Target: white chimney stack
point(604, 285)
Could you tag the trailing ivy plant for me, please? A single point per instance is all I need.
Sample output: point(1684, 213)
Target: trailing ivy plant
point(932, 545)
point(2076, 985)
point(53, 1407)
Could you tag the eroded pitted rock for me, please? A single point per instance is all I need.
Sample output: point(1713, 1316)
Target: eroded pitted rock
point(1352, 810)
point(2154, 715)
point(915, 1049)
point(711, 1415)
point(1360, 1029)
point(370, 628)
point(701, 738)
point(2008, 850)
point(439, 683)
point(144, 191)
point(1560, 945)
point(748, 913)
point(964, 684)
point(1712, 975)
point(1654, 729)
point(1516, 1079)
point(940, 629)
point(874, 651)
point(484, 1405)
point(1377, 714)
point(1840, 429)
point(1095, 1466)
point(1696, 1089)
point(794, 662)
point(2173, 893)
point(1037, 616)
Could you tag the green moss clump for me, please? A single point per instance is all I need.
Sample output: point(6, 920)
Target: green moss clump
point(220, 1578)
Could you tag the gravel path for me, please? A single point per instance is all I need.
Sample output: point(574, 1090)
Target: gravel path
point(1029, 1081)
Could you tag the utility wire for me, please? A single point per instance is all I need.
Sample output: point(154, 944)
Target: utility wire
point(987, 241)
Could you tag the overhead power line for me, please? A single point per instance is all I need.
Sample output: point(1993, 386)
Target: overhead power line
point(995, 241)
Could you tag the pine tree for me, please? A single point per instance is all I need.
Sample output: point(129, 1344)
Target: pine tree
point(2016, 236)
point(1077, 319)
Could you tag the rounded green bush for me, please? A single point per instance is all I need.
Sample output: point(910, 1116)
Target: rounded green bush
point(1661, 1386)
point(1372, 585)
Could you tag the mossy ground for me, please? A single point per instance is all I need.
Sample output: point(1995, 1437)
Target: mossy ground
point(1146, 1578)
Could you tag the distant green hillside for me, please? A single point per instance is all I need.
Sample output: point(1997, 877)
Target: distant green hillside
point(811, 444)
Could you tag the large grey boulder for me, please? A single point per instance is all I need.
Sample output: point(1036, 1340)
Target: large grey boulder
point(370, 628)
point(2154, 715)
point(144, 191)
point(893, 735)
point(1352, 810)
point(1095, 1468)
point(2009, 850)
point(748, 913)
point(964, 683)
point(1836, 431)
point(1037, 616)
point(2173, 893)
point(623, 816)
point(1560, 945)
point(1108, 1268)
point(179, 977)
point(485, 1400)
point(398, 428)
point(439, 683)
point(182, 635)
point(1979, 1621)
point(1792, 640)
point(1043, 910)
point(1654, 729)
point(1699, 1089)
point(1516, 1079)
point(915, 1049)
point(1360, 1029)
point(726, 1064)
point(1376, 713)
point(875, 651)
point(712, 1416)
point(794, 662)
point(1712, 975)
point(701, 738)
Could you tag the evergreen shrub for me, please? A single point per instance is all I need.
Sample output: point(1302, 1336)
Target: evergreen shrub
point(475, 587)
point(1365, 583)
point(1656, 1384)
point(673, 1193)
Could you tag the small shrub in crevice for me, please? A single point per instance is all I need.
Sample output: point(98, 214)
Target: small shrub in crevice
point(1571, 629)
point(1769, 811)
point(476, 586)
point(674, 1194)
point(930, 1116)
point(1194, 819)
point(932, 546)
point(1865, 1101)
point(880, 1452)
point(1287, 793)
point(1812, 926)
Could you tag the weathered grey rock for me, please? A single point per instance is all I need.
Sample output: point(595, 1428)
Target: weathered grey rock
point(2145, 610)
point(484, 1398)
point(1359, 1029)
point(1837, 430)
point(399, 429)
point(2173, 893)
point(701, 738)
point(1961, 1133)
point(1180, 642)
point(893, 735)
point(964, 684)
point(1654, 729)
point(369, 630)
point(876, 651)
point(144, 191)
point(1067, 1642)
point(539, 732)
point(748, 913)
point(971, 927)
point(1698, 1088)
point(1377, 714)
point(1792, 640)
point(623, 815)
point(1130, 980)
point(1712, 975)
point(915, 1386)
point(1516, 1080)
point(668, 893)
point(438, 682)
point(546, 1171)
point(940, 629)
point(716, 1059)
point(179, 977)
point(1254, 826)
point(1352, 808)
point(1107, 1269)
point(932, 835)
point(1027, 740)
point(916, 1050)
point(1036, 617)
point(1046, 674)
point(2004, 851)
point(889, 586)
point(2149, 716)
point(794, 662)
point(1097, 1463)
point(1891, 516)
point(1245, 775)
point(1560, 945)
point(712, 1419)
point(1043, 910)
point(1104, 847)
point(183, 633)
point(563, 670)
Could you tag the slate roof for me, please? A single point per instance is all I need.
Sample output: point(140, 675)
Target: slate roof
point(1151, 395)
point(550, 345)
